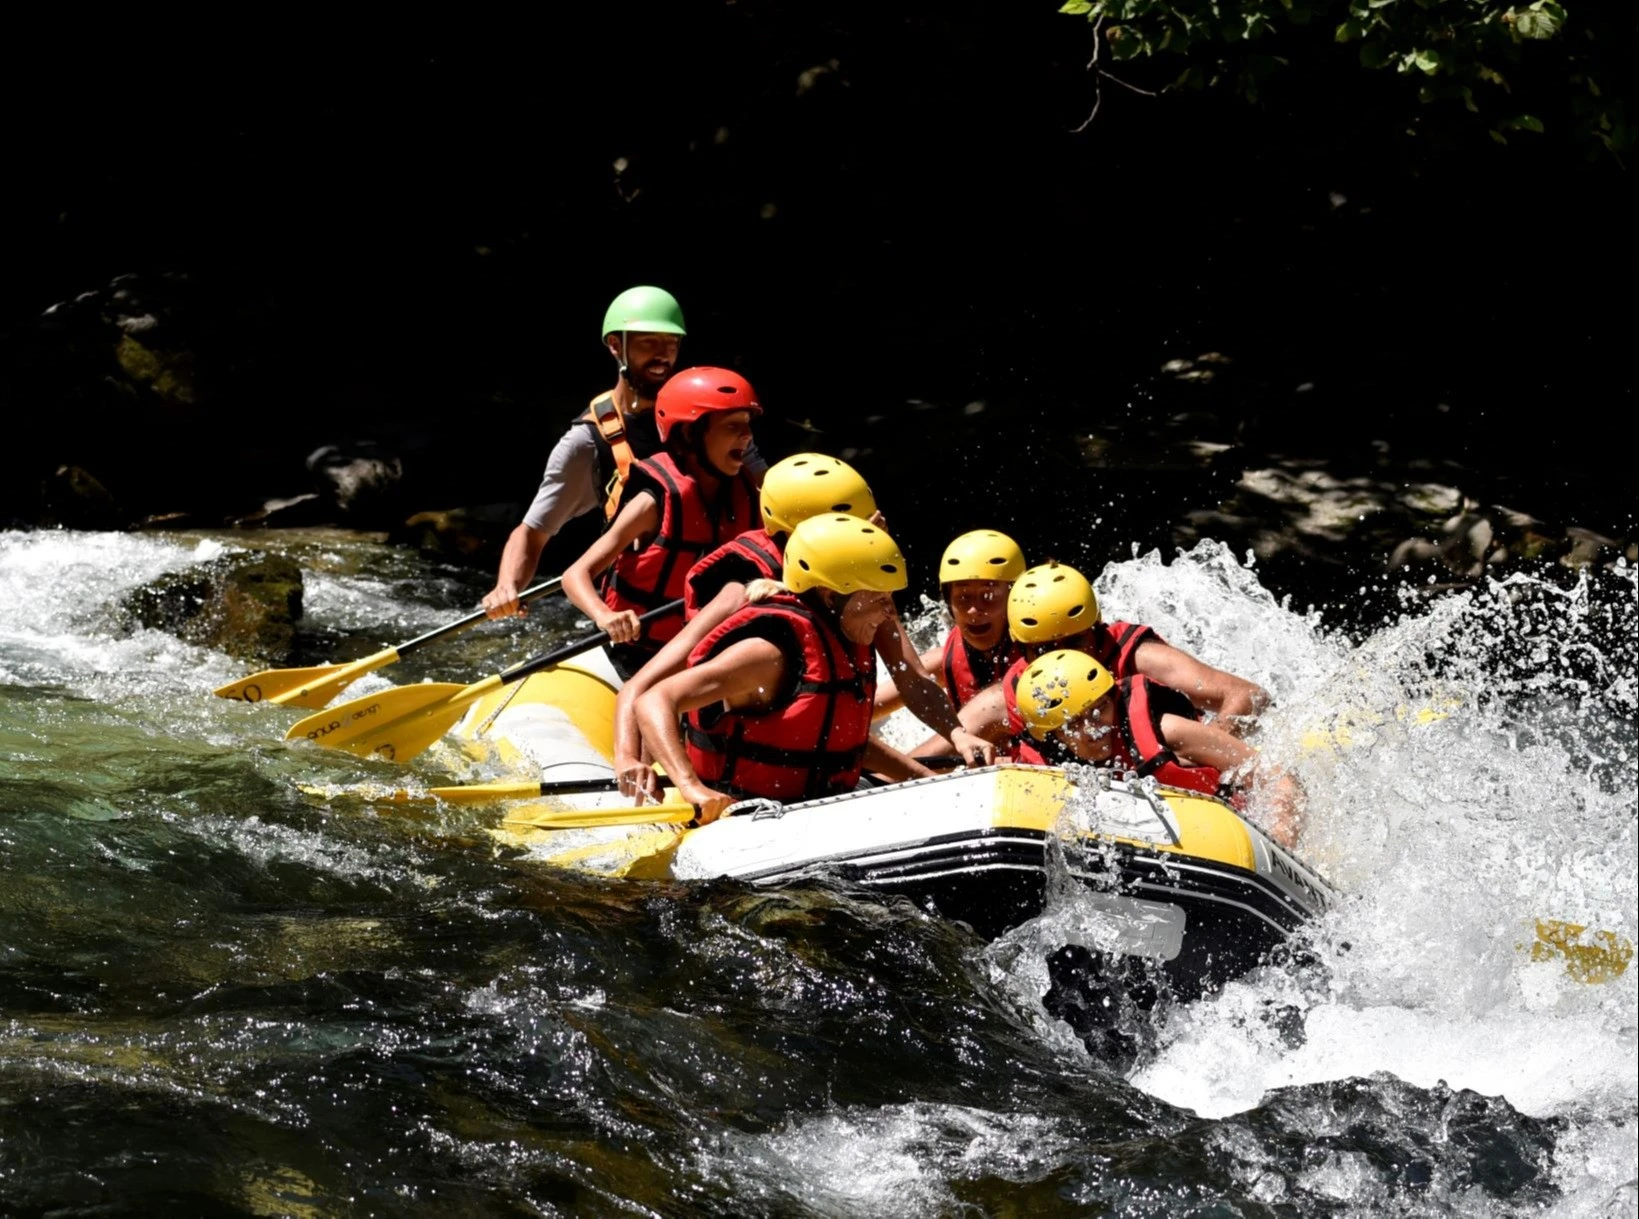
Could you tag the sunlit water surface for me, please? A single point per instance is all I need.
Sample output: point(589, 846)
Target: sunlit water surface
point(220, 995)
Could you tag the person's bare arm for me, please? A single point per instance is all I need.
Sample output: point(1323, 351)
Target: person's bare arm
point(568, 488)
point(924, 697)
point(888, 698)
point(739, 675)
point(1198, 744)
point(1233, 699)
point(633, 766)
point(883, 759)
point(1209, 745)
point(519, 559)
point(640, 517)
point(985, 715)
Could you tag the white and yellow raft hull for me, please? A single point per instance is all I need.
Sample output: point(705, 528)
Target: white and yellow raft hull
point(1172, 876)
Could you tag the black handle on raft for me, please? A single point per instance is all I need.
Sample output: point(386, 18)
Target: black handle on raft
point(570, 787)
point(571, 650)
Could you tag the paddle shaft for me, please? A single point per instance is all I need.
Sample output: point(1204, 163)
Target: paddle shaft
point(472, 792)
point(570, 650)
point(315, 686)
point(474, 618)
point(399, 723)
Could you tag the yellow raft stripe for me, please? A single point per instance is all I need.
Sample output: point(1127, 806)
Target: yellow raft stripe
point(1206, 828)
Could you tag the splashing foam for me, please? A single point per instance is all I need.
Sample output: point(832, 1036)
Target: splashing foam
point(897, 1160)
point(1470, 768)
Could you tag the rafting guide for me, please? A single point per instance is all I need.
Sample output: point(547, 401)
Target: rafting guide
point(643, 332)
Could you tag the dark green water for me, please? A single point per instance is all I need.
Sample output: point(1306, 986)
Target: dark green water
point(220, 996)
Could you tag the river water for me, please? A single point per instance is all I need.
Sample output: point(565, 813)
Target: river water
point(221, 995)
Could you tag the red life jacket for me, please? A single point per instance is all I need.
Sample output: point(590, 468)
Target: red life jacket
point(968, 671)
point(751, 556)
point(1115, 645)
point(811, 740)
point(642, 579)
point(1140, 748)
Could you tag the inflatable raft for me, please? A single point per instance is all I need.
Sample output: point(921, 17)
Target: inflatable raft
point(1174, 877)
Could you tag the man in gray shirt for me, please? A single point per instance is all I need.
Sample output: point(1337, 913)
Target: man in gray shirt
point(643, 331)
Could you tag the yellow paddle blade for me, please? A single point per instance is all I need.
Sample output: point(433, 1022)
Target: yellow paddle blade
point(316, 694)
point(585, 818)
point(311, 687)
point(1342, 732)
point(1603, 959)
point(395, 724)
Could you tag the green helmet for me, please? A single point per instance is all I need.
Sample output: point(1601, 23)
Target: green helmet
point(651, 310)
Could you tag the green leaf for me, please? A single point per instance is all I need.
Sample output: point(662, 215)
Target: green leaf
point(1428, 61)
point(1523, 122)
point(1536, 22)
point(1077, 8)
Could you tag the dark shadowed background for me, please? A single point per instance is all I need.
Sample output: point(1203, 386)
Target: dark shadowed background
point(402, 241)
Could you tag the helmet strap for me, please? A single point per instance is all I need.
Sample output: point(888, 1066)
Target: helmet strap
point(625, 364)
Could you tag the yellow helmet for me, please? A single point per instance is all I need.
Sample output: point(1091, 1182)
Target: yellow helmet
point(807, 484)
point(982, 554)
point(1049, 603)
point(1058, 687)
point(844, 554)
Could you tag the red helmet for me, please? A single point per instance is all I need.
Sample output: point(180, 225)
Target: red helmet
point(695, 392)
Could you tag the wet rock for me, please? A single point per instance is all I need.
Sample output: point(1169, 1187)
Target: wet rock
point(246, 605)
point(72, 498)
point(1466, 549)
point(1588, 548)
point(363, 481)
point(469, 535)
point(1412, 551)
point(169, 374)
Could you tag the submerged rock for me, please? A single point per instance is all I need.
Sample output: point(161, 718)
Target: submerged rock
point(246, 605)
